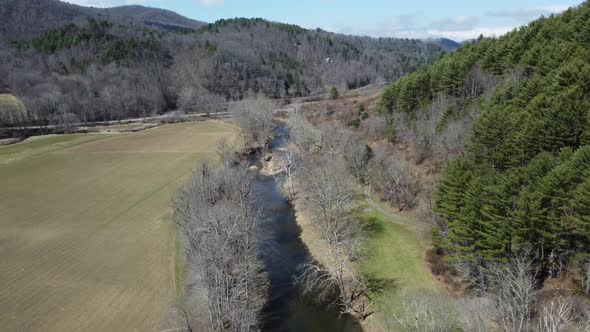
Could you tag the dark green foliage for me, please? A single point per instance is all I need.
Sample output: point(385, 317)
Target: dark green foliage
point(334, 94)
point(111, 48)
point(65, 37)
point(251, 22)
point(356, 123)
point(524, 181)
point(358, 83)
point(581, 216)
point(361, 116)
point(209, 46)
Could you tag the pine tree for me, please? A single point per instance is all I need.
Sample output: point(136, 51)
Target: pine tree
point(450, 200)
point(492, 139)
point(495, 223)
point(581, 217)
point(554, 198)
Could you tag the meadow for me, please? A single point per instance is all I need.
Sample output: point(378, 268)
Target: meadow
point(395, 254)
point(86, 234)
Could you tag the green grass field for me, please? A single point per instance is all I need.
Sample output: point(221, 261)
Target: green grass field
point(85, 232)
point(395, 254)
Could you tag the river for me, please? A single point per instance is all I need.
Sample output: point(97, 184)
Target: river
point(283, 252)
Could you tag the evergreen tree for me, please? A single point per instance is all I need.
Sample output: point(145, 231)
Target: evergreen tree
point(581, 217)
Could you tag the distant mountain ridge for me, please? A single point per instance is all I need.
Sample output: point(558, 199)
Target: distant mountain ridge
point(152, 17)
point(30, 18)
point(446, 44)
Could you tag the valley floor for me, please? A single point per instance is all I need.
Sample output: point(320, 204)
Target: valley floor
point(86, 234)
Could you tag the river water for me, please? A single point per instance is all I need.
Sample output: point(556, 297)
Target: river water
point(283, 252)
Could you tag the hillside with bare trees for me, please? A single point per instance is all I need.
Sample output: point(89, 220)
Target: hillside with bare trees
point(83, 64)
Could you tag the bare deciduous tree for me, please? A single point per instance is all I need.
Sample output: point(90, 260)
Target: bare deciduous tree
point(357, 155)
point(556, 316)
point(514, 291)
point(451, 141)
point(302, 133)
point(328, 195)
point(375, 128)
point(225, 152)
point(476, 313)
point(255, 117)
point(424, 312)
point(396, 182)
point(216, 214)
point(288, 162)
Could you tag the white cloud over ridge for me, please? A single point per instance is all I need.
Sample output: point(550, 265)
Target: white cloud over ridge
point(462, 35)
point(528, 13)
point(456, 23)
point(458, 28)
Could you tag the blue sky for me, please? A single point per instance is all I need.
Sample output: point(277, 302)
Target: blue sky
point(455, 19)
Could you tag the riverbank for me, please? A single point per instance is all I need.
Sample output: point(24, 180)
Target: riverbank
point(309, 233)
point(395, 253)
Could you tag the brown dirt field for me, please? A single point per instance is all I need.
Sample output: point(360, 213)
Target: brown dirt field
point(342, 109)
point(86, 236)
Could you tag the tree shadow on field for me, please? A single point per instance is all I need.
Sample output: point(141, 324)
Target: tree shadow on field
point(377, 286)
point(369, 223)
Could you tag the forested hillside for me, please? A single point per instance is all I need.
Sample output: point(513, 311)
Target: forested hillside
point(517, 110)
point(83, 64)
point(29, 18)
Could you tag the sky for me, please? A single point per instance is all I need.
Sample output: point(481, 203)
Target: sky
point(455, 19)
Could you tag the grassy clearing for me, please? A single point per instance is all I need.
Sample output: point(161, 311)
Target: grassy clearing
point(36, 146)
point(395, 254)
point(85, 232)
point(11, 101)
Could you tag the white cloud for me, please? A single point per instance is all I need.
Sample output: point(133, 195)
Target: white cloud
point(211, 2)
point(555, 9)
point(456, 23)
point(461, 35)
point(528, 13)
point(401, 26)
point(458, 28)
point(409, 26)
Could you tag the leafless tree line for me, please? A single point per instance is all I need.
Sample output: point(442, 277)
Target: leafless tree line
point(332, 160)
point(430, 137)
point(218, 220)
point(255, 116)
point(394, 179)
point(326, 191)
point(510, 302)
point(334, 141)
